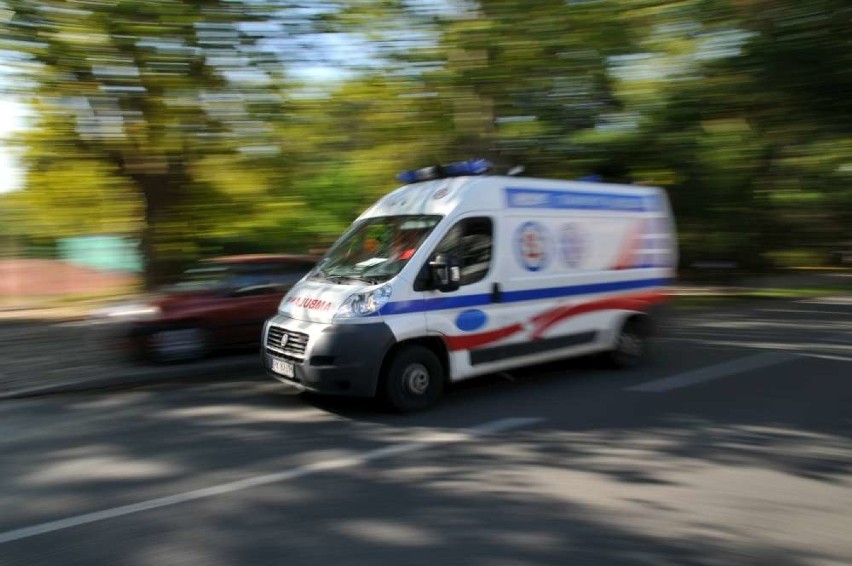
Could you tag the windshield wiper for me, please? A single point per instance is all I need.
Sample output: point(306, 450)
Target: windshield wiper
point(341, 278)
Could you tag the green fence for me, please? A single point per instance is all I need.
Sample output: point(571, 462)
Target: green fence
point(106, 253)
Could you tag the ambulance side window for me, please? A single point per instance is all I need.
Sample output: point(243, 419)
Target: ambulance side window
point(471, 240)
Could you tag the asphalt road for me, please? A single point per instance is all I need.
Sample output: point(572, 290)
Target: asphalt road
point(732, 446)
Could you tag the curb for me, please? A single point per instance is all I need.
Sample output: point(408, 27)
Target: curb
point(208, 370)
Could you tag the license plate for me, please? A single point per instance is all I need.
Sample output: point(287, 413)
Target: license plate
point(282, 367)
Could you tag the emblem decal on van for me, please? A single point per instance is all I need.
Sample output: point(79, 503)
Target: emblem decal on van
point(572, 245)
point(532, 246)
point(472, 319)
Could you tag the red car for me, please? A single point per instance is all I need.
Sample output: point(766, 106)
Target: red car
point(221, 304)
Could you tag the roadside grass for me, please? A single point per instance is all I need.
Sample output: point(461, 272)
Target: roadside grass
point(60, 307)
point(105, 296)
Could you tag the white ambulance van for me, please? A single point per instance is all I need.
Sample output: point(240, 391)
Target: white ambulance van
point(460, 273)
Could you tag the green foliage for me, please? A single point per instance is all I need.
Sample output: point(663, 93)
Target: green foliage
point(135, 101)
point(179, 121)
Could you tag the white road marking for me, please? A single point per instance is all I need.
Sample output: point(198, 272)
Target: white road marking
point(709, 373)
point(842, 337)
point(247, 483)
point(833, 300)
point(828, 357)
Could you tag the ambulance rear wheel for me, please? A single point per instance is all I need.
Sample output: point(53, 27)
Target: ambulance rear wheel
point(414, 379)
point(631, 345)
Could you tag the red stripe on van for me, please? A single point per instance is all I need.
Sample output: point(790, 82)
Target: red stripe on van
point(637, 302)
point(626, 258)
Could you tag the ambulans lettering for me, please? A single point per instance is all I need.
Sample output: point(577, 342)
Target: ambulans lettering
point(310, 304)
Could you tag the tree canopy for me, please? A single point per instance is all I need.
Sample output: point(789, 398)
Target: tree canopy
point(185, 123)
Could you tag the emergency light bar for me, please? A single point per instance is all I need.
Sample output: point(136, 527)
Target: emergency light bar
point(456, 169)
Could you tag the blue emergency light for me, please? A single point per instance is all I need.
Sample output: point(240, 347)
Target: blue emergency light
point(456, 169)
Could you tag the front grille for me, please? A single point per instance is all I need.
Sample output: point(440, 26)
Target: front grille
point(295, 345)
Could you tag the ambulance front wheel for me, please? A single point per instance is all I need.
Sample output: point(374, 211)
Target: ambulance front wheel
point(414, 379)
point(631, 344)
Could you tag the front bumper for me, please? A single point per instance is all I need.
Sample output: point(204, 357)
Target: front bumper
point(342, 359)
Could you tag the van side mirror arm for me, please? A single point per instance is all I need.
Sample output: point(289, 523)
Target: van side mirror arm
point(445, 271)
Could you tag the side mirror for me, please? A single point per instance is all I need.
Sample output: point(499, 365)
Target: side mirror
point(446, 272)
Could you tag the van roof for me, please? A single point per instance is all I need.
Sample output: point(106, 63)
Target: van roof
point(495, 192)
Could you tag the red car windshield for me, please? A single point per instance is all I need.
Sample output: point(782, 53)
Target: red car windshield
point(224, 276)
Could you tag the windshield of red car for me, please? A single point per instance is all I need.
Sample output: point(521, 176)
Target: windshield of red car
point(216, 277)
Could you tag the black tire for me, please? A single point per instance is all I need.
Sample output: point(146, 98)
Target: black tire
point(413, 381)
point(631, 345)
point(178, 344)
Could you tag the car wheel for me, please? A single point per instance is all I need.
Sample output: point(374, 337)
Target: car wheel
point(414, 379)
point(631, 345)
point(178, 345)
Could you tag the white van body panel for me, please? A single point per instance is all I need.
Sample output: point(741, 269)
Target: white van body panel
point(619, 244)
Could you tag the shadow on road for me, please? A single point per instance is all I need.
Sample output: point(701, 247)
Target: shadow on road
point(608, 478)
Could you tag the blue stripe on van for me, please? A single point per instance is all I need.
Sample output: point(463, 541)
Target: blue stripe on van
point(437, 304)
point(562, 199)
point(465, 301)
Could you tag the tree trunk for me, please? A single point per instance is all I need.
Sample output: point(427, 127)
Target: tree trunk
point(162, 193)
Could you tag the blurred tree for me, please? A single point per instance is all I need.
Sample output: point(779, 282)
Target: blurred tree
point(742, 109)
point(798, 98)
point(515, 79)
point(71, 192)
point(181, 109)
point(147, 96)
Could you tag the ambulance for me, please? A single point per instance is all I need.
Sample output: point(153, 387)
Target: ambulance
point(461, 272)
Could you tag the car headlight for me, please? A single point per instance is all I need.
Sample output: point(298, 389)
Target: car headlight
point(127, 312)
point(366, 303)
point(136, 312)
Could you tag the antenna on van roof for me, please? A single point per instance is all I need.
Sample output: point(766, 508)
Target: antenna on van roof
point(516, 170)
point(593, 178)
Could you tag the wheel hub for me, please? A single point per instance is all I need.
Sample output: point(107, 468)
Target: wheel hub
point(416, 379)
point(630, 344)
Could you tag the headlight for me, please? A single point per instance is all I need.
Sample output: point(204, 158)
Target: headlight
point(365, 304)
point(136, 312)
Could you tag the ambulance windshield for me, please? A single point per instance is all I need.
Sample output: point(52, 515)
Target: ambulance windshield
point(376, 249)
